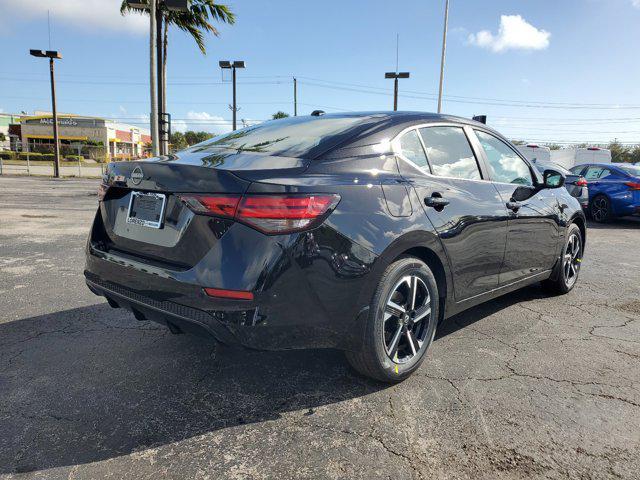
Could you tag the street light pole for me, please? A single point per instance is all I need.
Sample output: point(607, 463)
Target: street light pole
point(444, 50)
point(396, 76)
point(52, 55)
point(56, 141)
point(295, 97)
point(226, 64)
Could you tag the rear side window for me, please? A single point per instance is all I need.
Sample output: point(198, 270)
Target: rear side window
point(411, 148)
point(505, 165)
point(449, 153)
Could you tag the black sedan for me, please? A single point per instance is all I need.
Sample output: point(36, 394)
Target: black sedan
point(361, 232)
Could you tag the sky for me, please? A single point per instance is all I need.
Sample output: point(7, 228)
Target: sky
point(541, 70)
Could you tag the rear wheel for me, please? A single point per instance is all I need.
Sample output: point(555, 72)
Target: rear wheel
point(401, 323)
point(568, 269)
point(600, 209)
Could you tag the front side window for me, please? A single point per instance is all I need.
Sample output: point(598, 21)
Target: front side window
point(449, 153)
point(504, 164)
point(411, 148)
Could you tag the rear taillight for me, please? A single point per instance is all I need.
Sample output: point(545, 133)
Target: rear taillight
point(581, 182)
point(218, 205)
point(633, 185)
point(271, 214)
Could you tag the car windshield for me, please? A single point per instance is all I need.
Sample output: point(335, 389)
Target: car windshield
point(552, 166)
point(630, 169)
point(300, 137)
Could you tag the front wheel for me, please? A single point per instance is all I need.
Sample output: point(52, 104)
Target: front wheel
point(567, 271)
point(401, 323)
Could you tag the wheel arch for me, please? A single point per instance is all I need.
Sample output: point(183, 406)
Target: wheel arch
point(582, 225)
point(424, 245)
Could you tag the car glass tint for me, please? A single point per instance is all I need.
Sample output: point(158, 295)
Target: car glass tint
point(504, 164)
point(449, 152)
point(630, 169)
point(412, 150)
point(593, 173)
point(290, 137)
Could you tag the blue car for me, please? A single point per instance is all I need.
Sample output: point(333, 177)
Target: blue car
point(614, 189)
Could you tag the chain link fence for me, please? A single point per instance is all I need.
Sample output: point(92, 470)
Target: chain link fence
point(76, 160)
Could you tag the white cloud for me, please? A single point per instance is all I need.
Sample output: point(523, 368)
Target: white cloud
point(515, 33)
point(635, 3)
point(202, 121)
point(85, 14)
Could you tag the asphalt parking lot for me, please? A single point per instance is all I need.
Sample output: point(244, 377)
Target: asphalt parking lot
point(525, 386)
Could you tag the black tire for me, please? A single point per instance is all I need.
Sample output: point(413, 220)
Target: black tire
point(565, 275)
point(600, 209)
point(382, 327)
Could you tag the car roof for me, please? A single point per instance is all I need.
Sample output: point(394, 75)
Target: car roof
point(404, 116)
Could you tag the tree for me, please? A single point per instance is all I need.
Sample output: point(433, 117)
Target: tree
point(178, 142)
point(619, 153)
point(196, 22)
point(554, 146)
point(279, 114)
point(196, 137)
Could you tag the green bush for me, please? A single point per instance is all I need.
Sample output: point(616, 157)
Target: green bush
point(7, 155)
point(32, 155)
point(73, 158)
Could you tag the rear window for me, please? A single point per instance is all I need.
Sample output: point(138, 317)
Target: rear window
point(630, 169)
point(299, 137)
point(553, 166)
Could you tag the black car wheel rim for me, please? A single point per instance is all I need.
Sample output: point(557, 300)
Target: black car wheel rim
point(407, 315)
point(600, 209)
point(572, 259)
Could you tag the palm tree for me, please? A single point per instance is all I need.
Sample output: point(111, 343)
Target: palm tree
point(196, 22)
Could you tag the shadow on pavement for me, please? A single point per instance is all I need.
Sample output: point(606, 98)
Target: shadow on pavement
point(90, 389)
point(623, 223)
point(90, 384)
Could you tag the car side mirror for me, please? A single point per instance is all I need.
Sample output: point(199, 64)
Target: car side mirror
point(552, 179)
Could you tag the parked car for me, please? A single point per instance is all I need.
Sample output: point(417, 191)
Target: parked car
point(570, 157)
point(614, 189)
point(360, 232)
point(576, 185)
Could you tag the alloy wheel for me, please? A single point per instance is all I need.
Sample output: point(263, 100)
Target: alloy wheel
point(572, 259)
point(600, 209)
point(407, 315)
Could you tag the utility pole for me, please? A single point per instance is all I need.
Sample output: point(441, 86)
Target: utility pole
point(51, 55)
point(162, 140)
point(153, 39)
point(444, 50)
point(295, 97)
point(396, 76)
point(226, 64)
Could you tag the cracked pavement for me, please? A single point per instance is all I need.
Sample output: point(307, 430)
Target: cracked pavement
point(526, 386)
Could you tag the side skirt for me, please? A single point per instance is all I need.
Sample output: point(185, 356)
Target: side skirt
point(457, 307)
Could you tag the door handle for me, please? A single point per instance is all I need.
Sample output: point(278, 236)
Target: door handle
point(436, 201)
point(514, 206)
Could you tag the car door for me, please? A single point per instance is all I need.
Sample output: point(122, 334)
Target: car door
point(533, 237)
point(465, 209)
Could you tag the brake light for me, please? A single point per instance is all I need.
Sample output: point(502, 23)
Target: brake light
point(581, 182)
point(230, 294)
point(270, 214)
point(633, 185)
point(219, 205)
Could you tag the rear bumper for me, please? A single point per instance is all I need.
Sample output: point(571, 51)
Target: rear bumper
point(306, 289)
